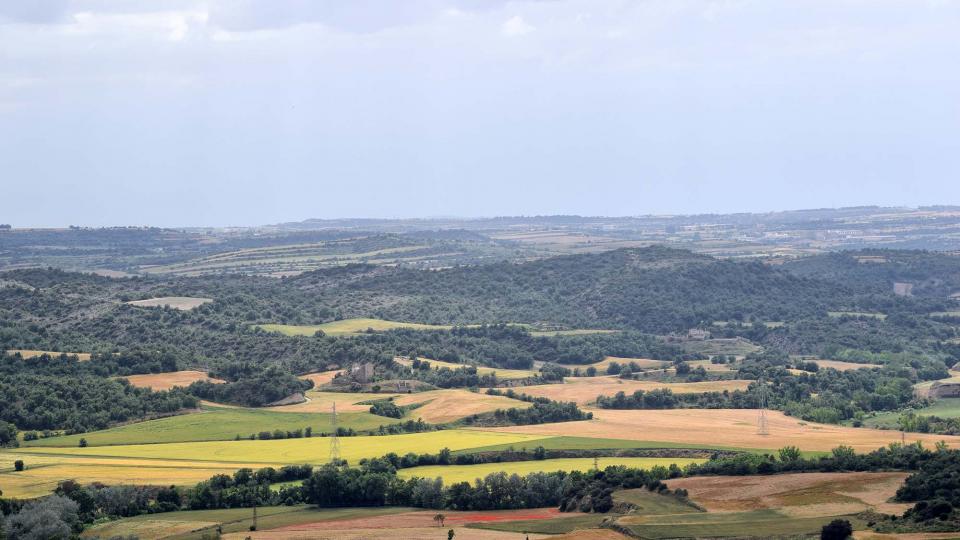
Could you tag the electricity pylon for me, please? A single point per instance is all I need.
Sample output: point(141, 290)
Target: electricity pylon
point(762, 427)
point(334, 440)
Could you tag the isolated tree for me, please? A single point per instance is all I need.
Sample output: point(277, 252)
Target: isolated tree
point(83, 443)
point(838, 529)
point(439, 518)
point(18, 465)
point(450, 534)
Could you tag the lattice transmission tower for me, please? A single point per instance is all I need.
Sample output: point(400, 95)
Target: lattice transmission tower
point(334, 440)
point(762, 427)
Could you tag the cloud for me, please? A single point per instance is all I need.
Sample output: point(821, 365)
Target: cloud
point(516, 26)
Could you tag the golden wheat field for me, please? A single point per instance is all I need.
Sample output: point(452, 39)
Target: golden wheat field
point(166, 381)
point(732, 428)
point(584, 390)
point(601, 366)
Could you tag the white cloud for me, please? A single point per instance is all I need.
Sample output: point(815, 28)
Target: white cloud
point(516, 26)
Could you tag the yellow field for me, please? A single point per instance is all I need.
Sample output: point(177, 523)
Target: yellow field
point(733, 428)
point(441, 406)
point(184, 303)
point(469, 473)
point(290, 451)
point(321, 378)
point(843, 366)
point(43, 472)
point(585, 390)
point(601, 366)
point(482, 370)
point(30, 353)
point(347, 326)
point(166, 381)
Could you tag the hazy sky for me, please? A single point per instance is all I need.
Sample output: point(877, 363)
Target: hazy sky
point(241, 112)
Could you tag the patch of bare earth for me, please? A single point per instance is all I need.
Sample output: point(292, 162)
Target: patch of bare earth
point(797, 494)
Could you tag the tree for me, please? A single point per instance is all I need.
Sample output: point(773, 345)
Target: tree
point(790, 454)
point(83, 443)
point(450, 534)
point(439, 518)
point(8, 434)
point(18, 465)
point(53, 518)
point(838, 529)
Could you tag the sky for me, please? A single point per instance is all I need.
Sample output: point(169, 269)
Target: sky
point(246, 112)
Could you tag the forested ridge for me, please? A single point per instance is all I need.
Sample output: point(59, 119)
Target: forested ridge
point(642, 294)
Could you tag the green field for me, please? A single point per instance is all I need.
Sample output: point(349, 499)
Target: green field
point(559, 525)
point(289, 451)
point(736, 347)
point(184, 524)
point(469, 473)
point(944, 408)
point(347, 327)
point(649, 503)
point(216, 424)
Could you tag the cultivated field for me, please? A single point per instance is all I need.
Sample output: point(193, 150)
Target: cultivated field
point(482, 370)
point(321, 378)
point(217, 424)
point(468, 473)
point(601, 366)
point(870, 314)
point(408, 525)
point(30, 353)
point(798, 494)
point(194, 523)
point(585, 390)
point(944, 408)
point(731, 428)
point(435, 406)
point(44, 471)
point(442, 406)
point(734, 346)
point(346, 327)
point(292, 451)
point(184, 303)
point(843, 366)
point(166, 381)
